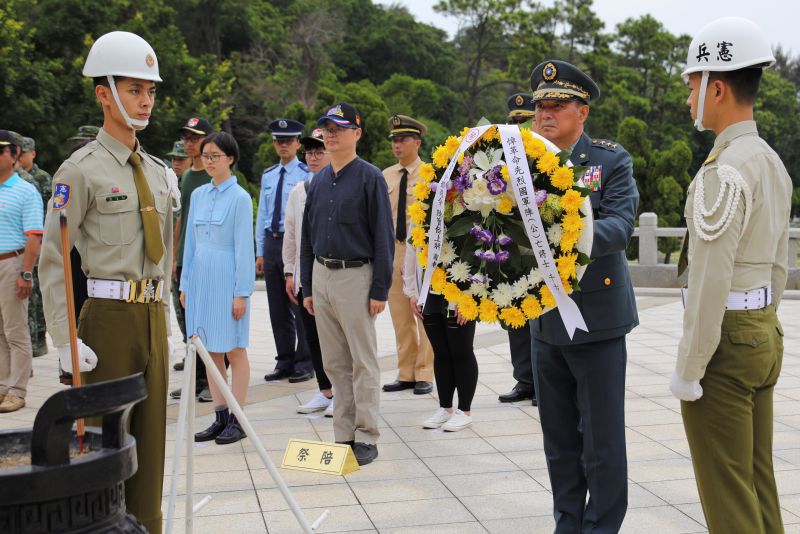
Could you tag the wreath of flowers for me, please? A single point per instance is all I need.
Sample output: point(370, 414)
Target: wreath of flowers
point(487, 266)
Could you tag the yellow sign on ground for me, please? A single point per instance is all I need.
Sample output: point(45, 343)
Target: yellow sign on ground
point(319, 457)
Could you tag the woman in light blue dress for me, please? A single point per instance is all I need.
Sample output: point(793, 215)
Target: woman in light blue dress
point(219, 276)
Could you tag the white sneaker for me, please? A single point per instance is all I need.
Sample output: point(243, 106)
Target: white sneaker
point(437, 419)
point(458, 421)
point(329, 410)
point(317, 403)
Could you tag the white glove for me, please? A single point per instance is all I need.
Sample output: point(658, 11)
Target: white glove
point(685, 390)
point(87, 359)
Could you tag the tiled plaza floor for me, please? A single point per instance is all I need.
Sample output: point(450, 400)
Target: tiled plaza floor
point(489, 478)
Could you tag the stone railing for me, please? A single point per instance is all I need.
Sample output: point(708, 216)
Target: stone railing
point(648, 272)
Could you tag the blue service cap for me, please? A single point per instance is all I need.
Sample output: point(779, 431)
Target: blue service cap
point(286, 128)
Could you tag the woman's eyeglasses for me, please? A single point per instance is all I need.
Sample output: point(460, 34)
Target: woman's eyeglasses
point(212, 157)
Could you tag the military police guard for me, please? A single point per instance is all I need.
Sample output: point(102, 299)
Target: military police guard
point(117, 200)
point(730, 355)
point(580, 382)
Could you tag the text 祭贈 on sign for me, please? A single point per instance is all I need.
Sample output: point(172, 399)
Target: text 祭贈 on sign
point(320, 457)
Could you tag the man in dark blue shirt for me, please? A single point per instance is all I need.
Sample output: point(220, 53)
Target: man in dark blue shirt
point(346, 258)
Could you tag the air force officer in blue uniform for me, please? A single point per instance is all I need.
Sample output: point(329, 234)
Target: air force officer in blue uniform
point(294, 358)
point(580, 382)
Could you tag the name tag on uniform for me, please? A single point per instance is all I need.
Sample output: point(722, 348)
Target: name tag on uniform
point(593, 179)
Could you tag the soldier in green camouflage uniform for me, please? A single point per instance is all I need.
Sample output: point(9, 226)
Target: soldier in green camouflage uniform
point(43, 182)
point(180, 161)
point(85, 134)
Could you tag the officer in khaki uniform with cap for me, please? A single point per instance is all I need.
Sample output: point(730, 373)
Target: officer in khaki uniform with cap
point(580, 382)
point(118, 202)
point(520, 108)
point(730, 354)
point(414, 351)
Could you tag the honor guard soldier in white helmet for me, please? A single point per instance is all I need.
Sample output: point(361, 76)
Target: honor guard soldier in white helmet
point(737, 213)
point(118, 202)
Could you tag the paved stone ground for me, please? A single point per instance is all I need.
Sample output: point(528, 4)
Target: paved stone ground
point(489, 478)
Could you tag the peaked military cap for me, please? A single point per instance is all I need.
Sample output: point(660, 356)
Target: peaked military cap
point(520, 105)
point(558, 80)
point(86, 133)
point(404, 125)
point(6, 139)
point(314, 140)
point(178, 150)
point(286, 128)
point(197, 125)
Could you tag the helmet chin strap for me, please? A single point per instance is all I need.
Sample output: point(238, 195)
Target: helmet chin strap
point(701, 103)
point(136, 124)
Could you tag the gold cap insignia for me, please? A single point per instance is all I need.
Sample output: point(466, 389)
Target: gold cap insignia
point(549, 72)
point(150, 60)
point(519, 100)
point(395, 121)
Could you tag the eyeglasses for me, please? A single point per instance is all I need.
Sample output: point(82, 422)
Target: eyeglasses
point(333, 132)
point(314, 154)
point(211, 157)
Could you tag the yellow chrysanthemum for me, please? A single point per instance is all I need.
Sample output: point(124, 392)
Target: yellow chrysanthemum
point(531, 307)
point(505, 205)
point(451, 144)
point(460, 158)
point(417, 213)
point(567, 285)
point(572, 222)
point(421, 190)
point(513, 317)
point(441, 157)
point(534, 148)
point(427, 172)
point(571, 201)
point(487, 311)
point(547, 163)
point(422, 256)
point(562, 178)
point(468, 307)
point(418, 236)
point(546, 297)
point(464, 131)
point(568, 241)
point(438, 279)
point(451, 293)
point(566, 265)
point(504, 173)
point(490, 135)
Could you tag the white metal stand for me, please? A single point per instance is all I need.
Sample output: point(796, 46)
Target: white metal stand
point(184, 430)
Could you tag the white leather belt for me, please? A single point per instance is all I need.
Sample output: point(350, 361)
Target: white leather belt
point(142, 291)
point(755, 299)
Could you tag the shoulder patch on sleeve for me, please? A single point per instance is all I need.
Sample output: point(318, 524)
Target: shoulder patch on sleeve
point(61, 192)
point(304, 167)
point(606, 144)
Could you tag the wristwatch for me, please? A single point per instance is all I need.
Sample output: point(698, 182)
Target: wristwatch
point(26, 275)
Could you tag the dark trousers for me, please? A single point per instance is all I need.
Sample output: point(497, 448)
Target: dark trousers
point(287, 326)
point(519, 341)
point(581, 392)
point(176, 301)
point(454, 364)
point(312, 338)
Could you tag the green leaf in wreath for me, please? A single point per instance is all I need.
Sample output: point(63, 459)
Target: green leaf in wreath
point(463, 224)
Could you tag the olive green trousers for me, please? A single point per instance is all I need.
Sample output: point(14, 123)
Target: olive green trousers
point(131, 338)
point(729, 428)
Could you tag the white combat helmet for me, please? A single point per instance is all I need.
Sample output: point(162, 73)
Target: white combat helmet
point(122, 54)
point(726, 44)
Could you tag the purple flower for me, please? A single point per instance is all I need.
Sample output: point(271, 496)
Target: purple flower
point(434, 186)
point(497, 186)
point(475, 230)
point(481, 234)
point(466, 163)
point(477, 278)
point(540, 195)
point(502, 256)
point(478, 253)
point(503, 240)
point(462, 182)
point(488, 255)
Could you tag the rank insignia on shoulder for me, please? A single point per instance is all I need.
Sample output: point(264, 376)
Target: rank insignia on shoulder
point(60, 196)
point(605, 144)
point(593, 179)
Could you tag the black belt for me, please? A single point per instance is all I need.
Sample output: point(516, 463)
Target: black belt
point(341, 264)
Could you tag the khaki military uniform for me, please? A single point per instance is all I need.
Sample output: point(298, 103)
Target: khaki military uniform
point(414, 351)
point(36, 321)
point(105, 226)
point(736, 354)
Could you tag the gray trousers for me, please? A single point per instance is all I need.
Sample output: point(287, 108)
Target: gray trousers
point(349, 349)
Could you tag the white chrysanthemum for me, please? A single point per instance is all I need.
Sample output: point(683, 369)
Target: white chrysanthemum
point(554, 234)
point(448, 254)
point(478, 291)
point(520, 288)
point(459, 271)
point(535, 278)
point(503, 295)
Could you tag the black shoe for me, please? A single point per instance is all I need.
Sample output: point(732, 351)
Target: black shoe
point(216, 427)
point(300, 376)
point(232, 433)
point(421, 388)
point(519, 393)
point(277, 374)
point(365, 453)
point(398, 385)
point(175, 394)
point(178, 366)
point(534, 402)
